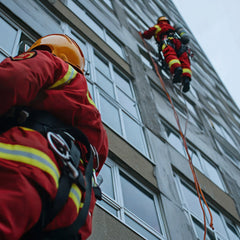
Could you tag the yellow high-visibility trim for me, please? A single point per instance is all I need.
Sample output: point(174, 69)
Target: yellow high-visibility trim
point(71, 74)
point(173, 61)
point(27, 129)
point(90, 100)
point(164, 46)
point(76, 195)
point(187, 70)
point(31, 156)
point(158, 29)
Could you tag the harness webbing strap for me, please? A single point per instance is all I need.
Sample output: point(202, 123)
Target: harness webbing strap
point(197, 185)
point(45, 122)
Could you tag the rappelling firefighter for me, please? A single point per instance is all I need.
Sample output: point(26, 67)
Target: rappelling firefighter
point(172, 43)
point(52, 143)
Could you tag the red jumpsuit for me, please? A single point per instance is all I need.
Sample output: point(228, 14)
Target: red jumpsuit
point(42, 81)
point(160, 33)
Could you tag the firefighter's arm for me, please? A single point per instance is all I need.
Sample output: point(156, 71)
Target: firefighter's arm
point(24, 76)
point(149, 33)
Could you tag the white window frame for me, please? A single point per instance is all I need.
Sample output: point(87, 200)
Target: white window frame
point(16, 44)
point(102, 32)
point(201, 157)
point(97, 91)
point(220, 130)
point(121, 211)
point(203, 160)
point(179, 182)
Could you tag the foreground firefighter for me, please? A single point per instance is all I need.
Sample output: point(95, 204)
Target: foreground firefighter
point(173, 46)
point(52, 144)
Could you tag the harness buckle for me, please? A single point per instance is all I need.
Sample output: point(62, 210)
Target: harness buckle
point(62, 150)
point(59, 145)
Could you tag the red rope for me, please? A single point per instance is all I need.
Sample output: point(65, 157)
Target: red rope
point(197, 186)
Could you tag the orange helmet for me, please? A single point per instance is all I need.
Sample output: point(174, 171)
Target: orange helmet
point(163, 19)
point(63, 47)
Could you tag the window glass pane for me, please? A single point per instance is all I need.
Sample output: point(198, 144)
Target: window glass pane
point(137, 201)
point(2, 57)
point(8, 36)
point(227, 153)
point(76, 9)
point(114, 44)
point(175, 141)
point(127, 103)
point(137, 227)
point(195, 159)
point(110, 114)
point(134, 133)
point(228, 137)
point(145, 57)
point(102, 66)
point(200, 231)
point(105, 83)
point(107, 184)
point(232, 232)
point(108, 207)
point(213, 174)
point(217, 222)
point(108, 2)
point(92, 23)
point(123, 84)
point(192, 202)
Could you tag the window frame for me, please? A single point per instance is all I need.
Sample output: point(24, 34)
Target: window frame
point(122, 211)
point(105, 32)
point(191, 215)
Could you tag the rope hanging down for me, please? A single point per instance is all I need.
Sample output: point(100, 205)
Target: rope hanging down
point(197, 186)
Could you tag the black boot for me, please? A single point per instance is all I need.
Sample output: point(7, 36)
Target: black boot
point(186, 84)
point(177, 75)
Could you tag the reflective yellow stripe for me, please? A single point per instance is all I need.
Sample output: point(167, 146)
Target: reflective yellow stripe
point(173, 62)
point(76, 195)
point(71, 73)
point(31, 156)
point(164, 46)
point(90, 100)
point(158, 29)
point(187, 70)
point(27, 129)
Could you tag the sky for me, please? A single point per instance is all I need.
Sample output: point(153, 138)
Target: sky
point(216, 26)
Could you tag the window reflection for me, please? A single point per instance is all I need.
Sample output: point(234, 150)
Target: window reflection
point(8, 36)
point(139, 202)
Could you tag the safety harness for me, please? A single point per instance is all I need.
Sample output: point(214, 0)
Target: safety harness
point(62, 140)
point(166, 40)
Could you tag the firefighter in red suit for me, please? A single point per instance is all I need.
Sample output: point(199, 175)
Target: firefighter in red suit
point(48, 77)
point(173, 50)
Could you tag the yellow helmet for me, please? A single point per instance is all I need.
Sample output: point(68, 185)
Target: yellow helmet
point(163, 18)
point(63, 47)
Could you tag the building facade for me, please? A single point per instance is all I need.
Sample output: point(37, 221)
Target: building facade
point(148, 187)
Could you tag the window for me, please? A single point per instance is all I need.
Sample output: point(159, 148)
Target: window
point(12, 38)
point(206, 167)
point(222, 131)
point(174, 139)
point(229, 154)
point(145, 57)
point(224, 229)
point(99, 29)
point(125, 198)
point(199, 160)
point(188, 111)
point(134, 20)
point(117, 102)
point(113, 93)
